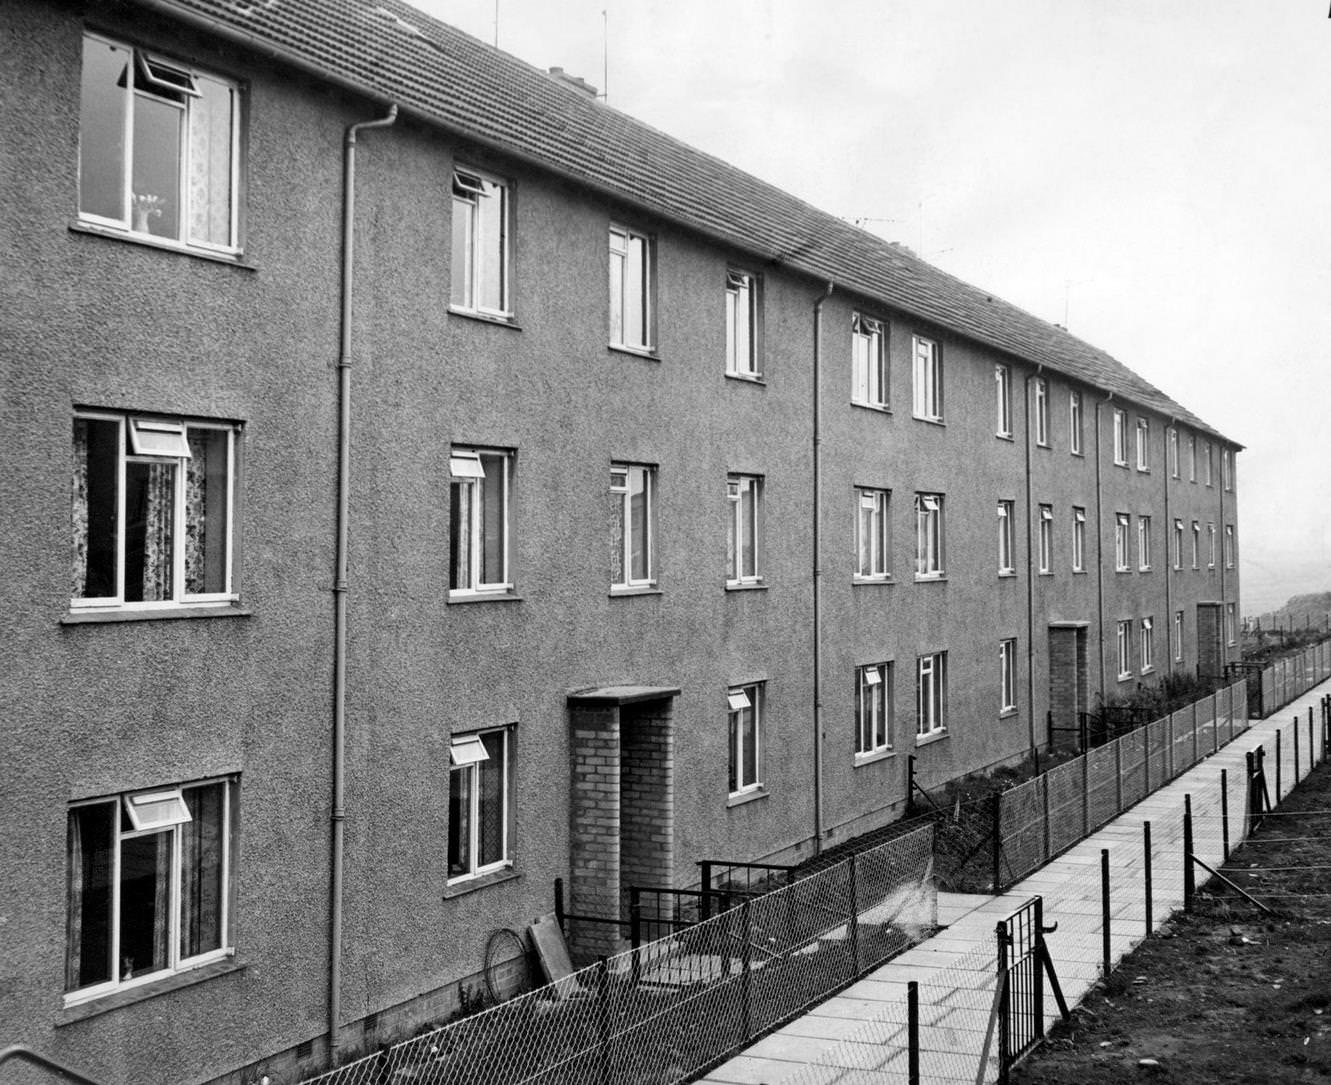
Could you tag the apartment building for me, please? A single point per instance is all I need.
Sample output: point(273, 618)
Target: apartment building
point(418, 495)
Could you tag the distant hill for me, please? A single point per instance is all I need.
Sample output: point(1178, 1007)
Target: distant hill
point(1301, 611)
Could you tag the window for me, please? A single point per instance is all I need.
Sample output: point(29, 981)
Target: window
point(1177, 636)
point(1078, 540)
point(478, 521)
point(1007, 662)
point(928, 535)
point(873, 708)
point(1178, 544)
point(1144, 543)
point(1003, 405)
point(1147, 646)
point(480, 244)
point(1046, 538)
point(148, 886)
point(746, 708)
point(744, 529)
point(1121, 542)
point(1229, 546)
point(631, 289)
point(1007, 561)
point(871, 550)
point(742, 325)
point(1041, 412)
point(1124, 650)
point(868, 342)
point(1192, 457)
point(1143, 445)
point(1074, 422)
point(931, 695)
point(1196, 544)
point(1231, 630)
point(151, 511)
point(159, 148)
point(1227, 470)
point(1210, 546)
point(928, 380)
point(478, 803)
point(1207, 463)
point(1172, 446)
point(635, 524)
point(1120, 438)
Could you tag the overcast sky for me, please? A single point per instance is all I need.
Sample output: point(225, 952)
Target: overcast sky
point(1153, 173)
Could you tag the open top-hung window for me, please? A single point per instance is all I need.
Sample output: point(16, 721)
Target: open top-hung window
point(480, 244)
point(159, 148)
point(868, 342)
point(631, 316)
point(742, 325)
point(478, 521)
point(744, 530)
point(478, 803)
point(151, 516)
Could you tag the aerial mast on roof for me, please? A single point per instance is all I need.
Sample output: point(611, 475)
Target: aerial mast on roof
point(496, 24)
point(605, 55)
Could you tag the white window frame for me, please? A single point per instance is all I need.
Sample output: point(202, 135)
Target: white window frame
point(181, 95)
point(1120, 438)
point(929, 542)
point(623, 242)
point(868, 356)
point(467, 469)
point(1231, 624)
point(742, 325)
point(1078, 539)
point(1144, 544)
point(620, 472)
point(466, 752)
point(1178, 636)
point(876, 503)
point(1178, 543)
point(741, 699)
point(930, 695)
point(927, 366)
point(1196, 544)
point(1122, 525)
point(1192, 457)
point(1147, 646)
point(168, 435)
point(1003, 400)
point(1074, 422)
point(471, 186)
point(1124, 641)
point(1210, 545)
point(739, 528)
point(1045, 536)
point(1041, 390)
point(1209, 463)
point(1227, 470)
point(1143, 444)
point(1007, 549)
point(1228, 545)
point(1172, 451)
point(176, 963)
point(1007, 663)
point(873, 709)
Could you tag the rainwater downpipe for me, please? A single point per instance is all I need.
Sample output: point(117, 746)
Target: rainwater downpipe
point(1167, 555)
point(1030, 564)
point(1100, 548)
point(818, 569)
point(340, 581)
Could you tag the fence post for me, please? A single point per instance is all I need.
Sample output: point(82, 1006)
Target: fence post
point(1045, 840)
point(1118, 775)
point(705, 905)
point(854, 920)
point(913, 1032)
point(1279, 793)
point(1312, 750)
point(559, 905)
point(1146, 758)
point(635, 931)
point(1146, 848)
point(1194, 725)
point(1004, 1001)
point(910, 785)
point(996, 818)
point(603, 1019)
point(1085, 795)
point(1104, 908)
point(1189, 881)
point(746, 965)
point(1224, 814)
point(1037, 993)
point(1297, 777)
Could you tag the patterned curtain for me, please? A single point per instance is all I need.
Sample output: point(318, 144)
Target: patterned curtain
point(196, 511)
point(159, 514)
point(79, 511)
point(210, 164)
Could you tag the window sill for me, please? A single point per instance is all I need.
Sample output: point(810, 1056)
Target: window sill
point(1143, 569)
point(877, 408)
point(645, 589)
point(930, 738)
point(745, 585)
point(646, 353)
point(1148, 670)
point(486, 318)
point(747, 378)
point(1124, 678)
point(1008, 713)
point(739, 798)
point(867, 580)
point(485, 597)
point(463, 886)
point(1006, 437)
point(930, 578)
point(931, 421)
point(1077, 452)
point(150, 242)
point(174, 982)
point(1045, 445)
point(154, 614)
point(1078, 572)
point(1121, 463)
point(862, 759)
point(1007, 574)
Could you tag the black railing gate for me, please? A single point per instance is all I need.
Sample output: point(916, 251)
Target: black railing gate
point(1023, 965)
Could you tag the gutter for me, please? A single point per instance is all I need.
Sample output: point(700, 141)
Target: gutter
point(818, 569)
point(340, 582)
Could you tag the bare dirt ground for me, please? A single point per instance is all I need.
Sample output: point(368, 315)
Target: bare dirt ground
point(1228, 993)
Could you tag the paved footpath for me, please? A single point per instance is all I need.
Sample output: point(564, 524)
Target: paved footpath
point(859, 1036)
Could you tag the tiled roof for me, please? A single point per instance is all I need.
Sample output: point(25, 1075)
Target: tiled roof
point(394, 52)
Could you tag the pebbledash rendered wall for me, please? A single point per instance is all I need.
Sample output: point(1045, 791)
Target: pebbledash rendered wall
point(98, 708)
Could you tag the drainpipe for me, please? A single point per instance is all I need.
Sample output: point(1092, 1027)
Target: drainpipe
point(818, 570)
point(1030, 564)
point(1100, 548)
point(340, 582)
point(1168, 555)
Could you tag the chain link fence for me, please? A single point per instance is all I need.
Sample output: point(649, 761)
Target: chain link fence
point(1293, 676)
point(661, 1013)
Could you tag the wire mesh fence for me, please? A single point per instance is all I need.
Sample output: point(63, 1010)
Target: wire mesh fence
point(658, 1014)
point(1291, 677)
